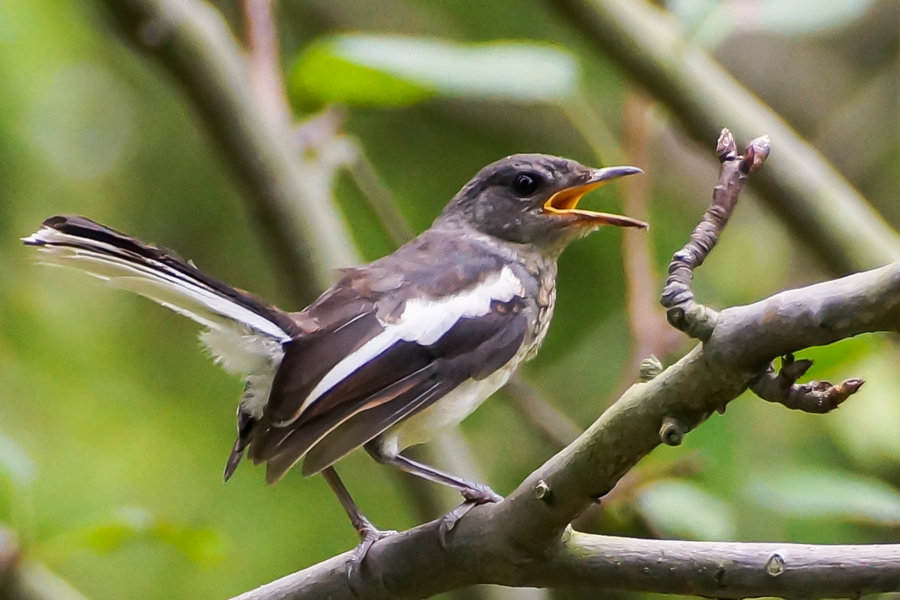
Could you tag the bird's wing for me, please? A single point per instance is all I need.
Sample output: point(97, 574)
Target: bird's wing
point(342, 386)
point(242, 331)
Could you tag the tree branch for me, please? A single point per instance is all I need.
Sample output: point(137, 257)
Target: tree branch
point(525, 537)
point(650, 333)
point(195, 45)
point(555, 427)
point(513, 542)
point(724, 569)
point(521, 540)
point(714, 569)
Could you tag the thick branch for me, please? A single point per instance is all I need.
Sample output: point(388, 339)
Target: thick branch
point(195, 45)
point(813, 199)
point(815, 315)
point(513, 542)
point(724, 569)
point(713, 569)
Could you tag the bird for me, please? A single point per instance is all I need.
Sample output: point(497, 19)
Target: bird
point(394, 351)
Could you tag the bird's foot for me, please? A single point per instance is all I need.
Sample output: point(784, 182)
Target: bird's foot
point(478, 493)
point(368, 535)
point(473, 496)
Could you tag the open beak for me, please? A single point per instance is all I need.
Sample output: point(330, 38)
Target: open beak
point(564, 202)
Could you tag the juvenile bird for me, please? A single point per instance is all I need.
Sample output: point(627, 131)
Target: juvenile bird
point(395, 350)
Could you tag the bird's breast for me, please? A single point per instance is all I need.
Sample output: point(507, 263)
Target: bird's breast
point(542, 275)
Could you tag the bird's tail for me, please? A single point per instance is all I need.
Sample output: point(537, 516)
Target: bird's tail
point(242, 330)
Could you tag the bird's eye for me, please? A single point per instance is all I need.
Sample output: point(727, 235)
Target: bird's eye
point(525, 184)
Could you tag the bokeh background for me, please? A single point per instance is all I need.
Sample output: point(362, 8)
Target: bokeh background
point(114, 426)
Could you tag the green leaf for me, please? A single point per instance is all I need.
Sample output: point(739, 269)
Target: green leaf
point(322, 75)
point(200, 545)
point(379, 70)
point(818, 493)
point(683, 509)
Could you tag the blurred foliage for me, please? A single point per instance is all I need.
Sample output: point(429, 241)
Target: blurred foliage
point(684, 510)
point(713, 22)
point(106, 405)
point(370, 70)
point(202, 546)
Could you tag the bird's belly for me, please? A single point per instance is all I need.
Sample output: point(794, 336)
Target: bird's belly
point(446, 412)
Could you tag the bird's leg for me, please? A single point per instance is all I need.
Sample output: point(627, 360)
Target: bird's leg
point(476, 493)
point(368, 533)
point(472, 493)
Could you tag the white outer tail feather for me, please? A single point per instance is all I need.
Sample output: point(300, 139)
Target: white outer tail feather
point(242, 341)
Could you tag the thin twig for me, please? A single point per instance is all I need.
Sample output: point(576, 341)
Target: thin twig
point(623, 492)
point(814, 397)
point(265, 61)
point(685, 466)
point(677, 297)
point(555, 426)
point(369, 183)
point(699, 321)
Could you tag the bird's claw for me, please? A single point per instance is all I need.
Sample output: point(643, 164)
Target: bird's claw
point(368, 535)
point(480, 494)
point(451, 519)
point(473, 496)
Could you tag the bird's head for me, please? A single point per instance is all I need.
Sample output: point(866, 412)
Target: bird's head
point(533, 199)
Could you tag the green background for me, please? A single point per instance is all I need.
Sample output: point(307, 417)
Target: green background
point(114, 426)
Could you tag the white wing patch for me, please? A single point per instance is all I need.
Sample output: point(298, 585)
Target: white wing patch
point(242, 341)
point(423, 322)
point(426, 321)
